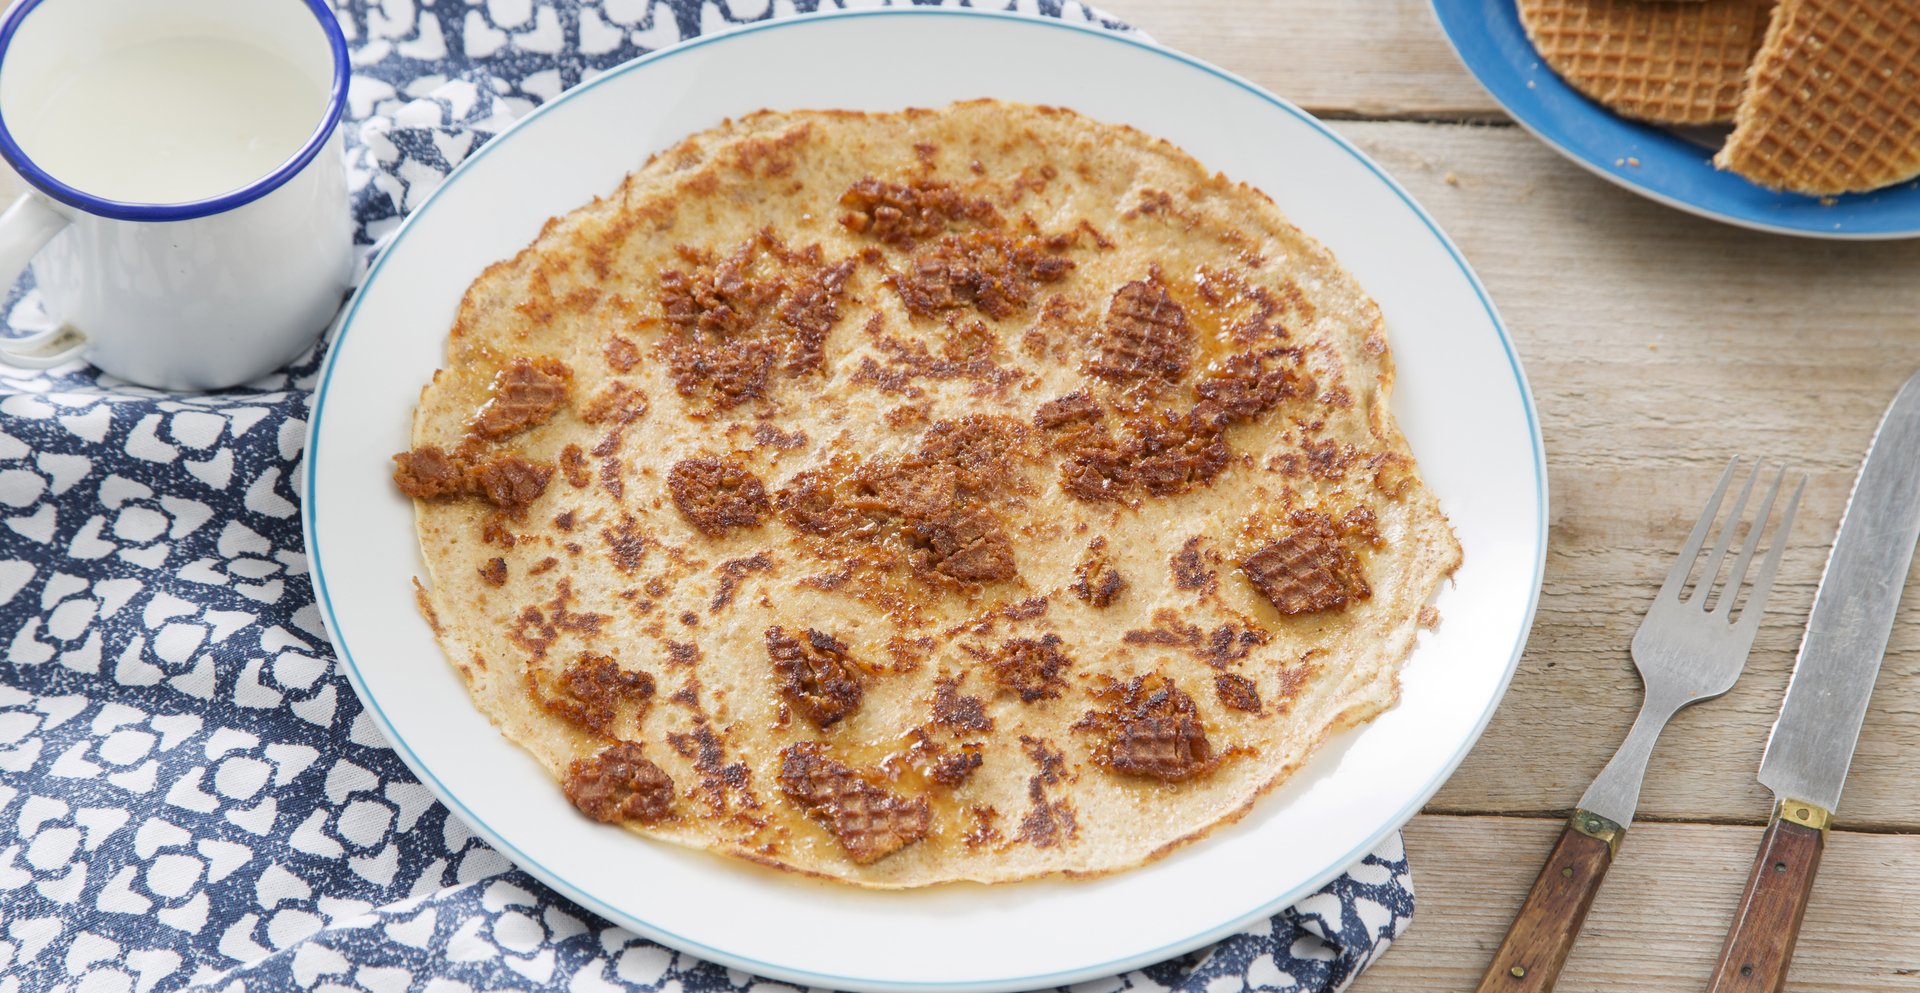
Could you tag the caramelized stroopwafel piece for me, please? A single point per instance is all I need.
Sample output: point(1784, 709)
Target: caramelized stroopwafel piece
point(868, 821)
point(1665, 61)
point(1152, 729)
point(1833, 102)
point(526, 393)
point(816, 675)
point(620, 783)
point(1308, 570)
point(591, 691)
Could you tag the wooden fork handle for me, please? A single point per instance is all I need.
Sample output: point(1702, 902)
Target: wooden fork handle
point(1536, 946)
point(1767, 924)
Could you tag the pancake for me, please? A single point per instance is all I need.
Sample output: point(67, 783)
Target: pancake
point(973, 494)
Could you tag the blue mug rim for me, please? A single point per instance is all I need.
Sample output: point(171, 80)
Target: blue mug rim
point(122, 210)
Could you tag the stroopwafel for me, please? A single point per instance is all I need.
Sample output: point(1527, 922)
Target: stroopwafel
point(1663, 61)
point(1833, 101)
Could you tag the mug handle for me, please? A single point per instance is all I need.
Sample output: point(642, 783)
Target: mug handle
point(25, 228)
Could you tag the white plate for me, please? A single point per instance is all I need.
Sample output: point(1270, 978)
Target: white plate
point(1461, 399)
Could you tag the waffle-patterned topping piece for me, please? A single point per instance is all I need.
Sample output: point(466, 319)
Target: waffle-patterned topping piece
point(868, 821)
point(717, 494)
point(1032, 669)
point(619, 783)
point(740, 318)
point(1833, 102)
point(1146, 337)
point(1664, 61)
point(507, 481)
point(1309, 569)
point(1151, 729)
point(816, 674)
point(897, 213)
point(527, 393)
point(429, 473)
point(592, 691)
point(995, 274)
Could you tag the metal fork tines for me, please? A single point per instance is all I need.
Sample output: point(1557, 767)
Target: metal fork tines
point(1688, 649)
point(1692, 648)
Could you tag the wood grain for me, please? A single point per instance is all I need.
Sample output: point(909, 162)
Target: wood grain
point(1340, 58)
point(1657, 924)
point(1535, 948)
point(1766, 923)
point(1658, 344)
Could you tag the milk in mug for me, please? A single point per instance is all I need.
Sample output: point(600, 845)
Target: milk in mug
point(187, 220)
point(173, 120)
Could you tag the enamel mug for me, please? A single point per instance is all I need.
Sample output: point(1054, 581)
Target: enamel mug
point(187, 220)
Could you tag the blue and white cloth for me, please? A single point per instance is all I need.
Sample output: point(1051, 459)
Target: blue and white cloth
point(190, 793)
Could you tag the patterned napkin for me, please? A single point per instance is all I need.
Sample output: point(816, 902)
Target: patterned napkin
point(190, 794)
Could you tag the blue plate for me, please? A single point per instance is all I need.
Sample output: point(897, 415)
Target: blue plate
point(1489, 38)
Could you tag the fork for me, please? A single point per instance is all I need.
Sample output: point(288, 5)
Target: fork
point(1686, 651)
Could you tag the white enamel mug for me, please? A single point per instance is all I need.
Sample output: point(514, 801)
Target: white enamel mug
point(194, 295)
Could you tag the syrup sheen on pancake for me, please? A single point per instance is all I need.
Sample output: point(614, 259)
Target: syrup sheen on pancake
point(971, 494)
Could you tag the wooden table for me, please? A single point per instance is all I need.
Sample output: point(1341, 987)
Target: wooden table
point(1658, 344)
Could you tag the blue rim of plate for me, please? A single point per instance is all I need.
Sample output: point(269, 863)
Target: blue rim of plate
point(1489, 38)
point(771, 970)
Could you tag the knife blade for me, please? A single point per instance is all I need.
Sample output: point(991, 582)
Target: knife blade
point(1811, 745)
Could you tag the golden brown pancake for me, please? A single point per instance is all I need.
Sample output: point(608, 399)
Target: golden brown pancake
point(972, 494)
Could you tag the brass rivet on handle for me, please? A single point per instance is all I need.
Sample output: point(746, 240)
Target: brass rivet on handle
point(1567, 872)
point(1517, 972)
point(1803, 813)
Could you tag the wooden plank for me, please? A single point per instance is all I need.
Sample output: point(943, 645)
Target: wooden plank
point(1659, 920)
point(1344, 58)
point(1658, 344)
point(1549, 920)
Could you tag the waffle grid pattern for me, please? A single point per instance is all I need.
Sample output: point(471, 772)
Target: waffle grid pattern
point(1661, 61)
point(1834, 104)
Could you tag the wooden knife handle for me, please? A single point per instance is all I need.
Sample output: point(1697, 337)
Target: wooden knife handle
point(1760, 944)
point(1537, 944)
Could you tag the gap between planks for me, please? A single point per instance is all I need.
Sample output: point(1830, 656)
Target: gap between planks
point(1661, 914)
point(1375, 59)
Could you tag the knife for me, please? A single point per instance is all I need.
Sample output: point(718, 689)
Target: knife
point(1812, 741)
